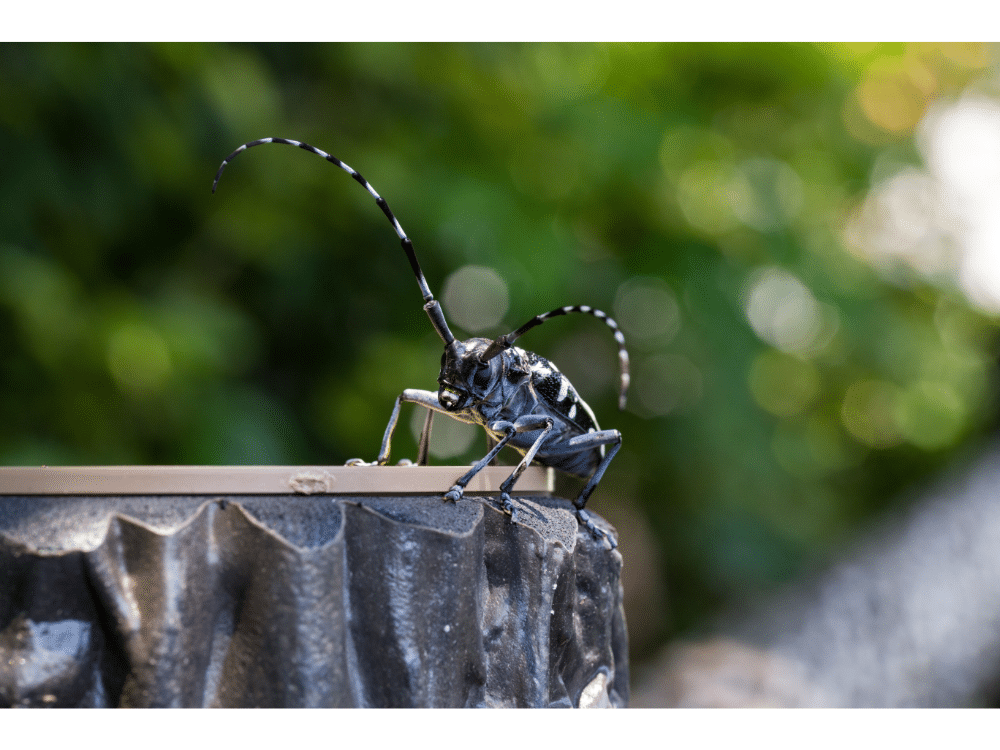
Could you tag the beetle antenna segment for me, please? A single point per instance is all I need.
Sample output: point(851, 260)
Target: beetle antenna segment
point(504, 342)
point(431, 306)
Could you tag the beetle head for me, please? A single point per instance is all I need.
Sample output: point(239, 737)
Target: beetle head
point(465, 380)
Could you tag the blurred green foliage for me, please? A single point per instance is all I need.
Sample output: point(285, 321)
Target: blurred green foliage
point(784, 391)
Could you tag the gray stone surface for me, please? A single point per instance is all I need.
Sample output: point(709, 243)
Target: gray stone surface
point(306, 601)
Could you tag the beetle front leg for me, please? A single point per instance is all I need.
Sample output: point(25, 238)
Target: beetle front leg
point(426, 399)
point(490, 444)
point(423, 447)
point(383, 454)
point(509, 430)
point(529, 423)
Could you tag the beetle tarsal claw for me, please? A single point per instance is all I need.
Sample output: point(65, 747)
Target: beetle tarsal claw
point(599, 534)
point(508, 505)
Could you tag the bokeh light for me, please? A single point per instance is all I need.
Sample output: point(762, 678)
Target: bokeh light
point(941, 219)
point(868, 412)
point(784, 385)
point(448, 437)
point(138, 358)
point(475, 298)
point(783, 311)
point(664, 383)
point(765, 194)
point(646, 308)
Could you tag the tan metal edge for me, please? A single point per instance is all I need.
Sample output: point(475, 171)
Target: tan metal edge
point(261, 480)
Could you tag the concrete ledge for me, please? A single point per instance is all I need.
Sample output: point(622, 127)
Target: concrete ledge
point(261, 480)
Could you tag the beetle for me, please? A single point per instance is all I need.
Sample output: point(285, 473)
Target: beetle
point(519, 398)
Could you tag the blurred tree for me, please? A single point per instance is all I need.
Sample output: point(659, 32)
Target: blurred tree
point(784, 388)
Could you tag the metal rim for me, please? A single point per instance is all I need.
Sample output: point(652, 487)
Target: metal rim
point(262, 480)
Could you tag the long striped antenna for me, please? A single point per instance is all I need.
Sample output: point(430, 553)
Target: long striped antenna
point(504, 342)
point(431, 306)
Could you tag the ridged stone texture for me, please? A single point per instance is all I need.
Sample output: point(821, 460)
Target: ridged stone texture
point(306, 601)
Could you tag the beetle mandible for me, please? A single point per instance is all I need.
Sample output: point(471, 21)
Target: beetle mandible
point(520, 399)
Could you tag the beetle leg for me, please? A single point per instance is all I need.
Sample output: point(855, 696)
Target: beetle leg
point(427, 399)
point(528, 423)
point(490, 443)
point(459, 487)
point(580, 443)
point(425, 439)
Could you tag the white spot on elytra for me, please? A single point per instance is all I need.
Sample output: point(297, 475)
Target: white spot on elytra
point(563, 389)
